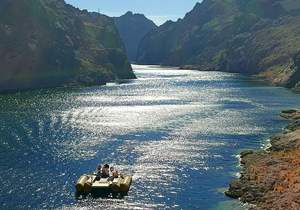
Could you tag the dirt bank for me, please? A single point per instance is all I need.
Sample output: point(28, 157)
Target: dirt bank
point(270, 178)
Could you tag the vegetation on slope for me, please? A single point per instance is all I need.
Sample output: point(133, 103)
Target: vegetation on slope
point(47, 43)
point(247, 36)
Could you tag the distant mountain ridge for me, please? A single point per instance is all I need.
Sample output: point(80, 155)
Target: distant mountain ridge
point(48, 43)
point(132, 29)
point(247, 36)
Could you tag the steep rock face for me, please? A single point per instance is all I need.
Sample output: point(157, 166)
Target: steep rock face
point(47, 43)
point(247, 36)
point(133, 28)
point(294, 80)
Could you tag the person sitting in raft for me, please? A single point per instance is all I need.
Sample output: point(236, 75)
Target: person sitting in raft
point(98, 173)
point(114, 173)
point(99, 170)
point(105, 171)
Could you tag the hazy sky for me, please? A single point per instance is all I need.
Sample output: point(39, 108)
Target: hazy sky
point(157, 10)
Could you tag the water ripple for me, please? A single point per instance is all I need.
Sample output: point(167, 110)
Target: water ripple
point(177, 132)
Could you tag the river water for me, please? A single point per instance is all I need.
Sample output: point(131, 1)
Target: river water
point(178, 133)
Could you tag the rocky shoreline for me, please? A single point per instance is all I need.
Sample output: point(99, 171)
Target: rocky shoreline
point(270, 179)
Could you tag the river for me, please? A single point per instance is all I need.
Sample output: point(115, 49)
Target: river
point(178, 132)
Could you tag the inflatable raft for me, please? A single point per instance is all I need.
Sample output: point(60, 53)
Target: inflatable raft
point(87, 184)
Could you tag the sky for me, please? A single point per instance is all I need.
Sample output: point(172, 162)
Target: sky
point(157, 10)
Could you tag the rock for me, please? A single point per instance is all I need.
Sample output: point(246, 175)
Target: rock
point(248, 198)
point(286, 141)
point(271, 179)
point(245, 153)
point(293, 114)
point(294, 126)
point(290, 111)
point(235, 189)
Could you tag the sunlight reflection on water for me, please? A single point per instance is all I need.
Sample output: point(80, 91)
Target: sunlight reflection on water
point(177, 132)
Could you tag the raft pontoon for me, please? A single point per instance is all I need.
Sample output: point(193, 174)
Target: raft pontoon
point(88, 184)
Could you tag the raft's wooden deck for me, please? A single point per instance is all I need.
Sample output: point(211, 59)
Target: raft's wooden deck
point(104, 183)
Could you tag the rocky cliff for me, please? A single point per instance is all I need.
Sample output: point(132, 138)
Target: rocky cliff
point(247, 36)
point(47, 43)
point(133, 28)
point(294, 80)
